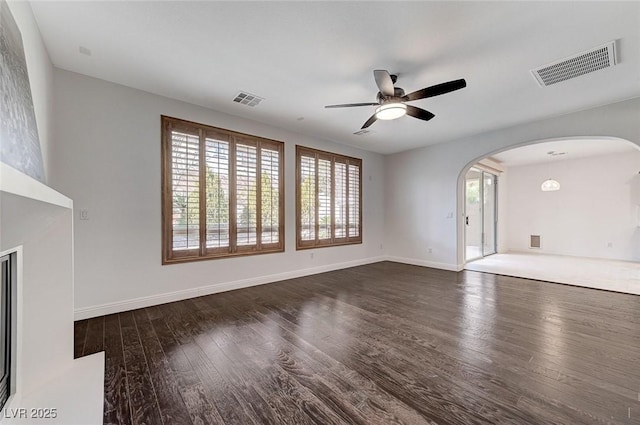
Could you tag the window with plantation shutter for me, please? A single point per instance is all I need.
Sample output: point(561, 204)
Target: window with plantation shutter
point(328, 199)
point(221, 191)
point(246, 195)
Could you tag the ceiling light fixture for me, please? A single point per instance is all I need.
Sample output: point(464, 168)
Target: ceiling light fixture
point(391, 111)
point(550, 185)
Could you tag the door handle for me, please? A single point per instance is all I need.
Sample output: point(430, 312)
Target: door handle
point(467, 220)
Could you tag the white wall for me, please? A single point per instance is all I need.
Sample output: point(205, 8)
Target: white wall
point(107, 158)
point(40, 75)
point(593, 208)
point(423, 186)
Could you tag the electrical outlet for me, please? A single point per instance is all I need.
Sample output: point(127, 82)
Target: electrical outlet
point(311, 255)
point(84, 214)
point(610, 245)
point(430, 251)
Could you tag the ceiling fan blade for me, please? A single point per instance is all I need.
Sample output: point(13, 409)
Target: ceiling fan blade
point(384, 82)
point(350, 105)
point(419, 113)
point(436, 90)
point(369, 122)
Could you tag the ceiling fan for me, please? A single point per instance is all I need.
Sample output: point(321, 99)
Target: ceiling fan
point(391, 100)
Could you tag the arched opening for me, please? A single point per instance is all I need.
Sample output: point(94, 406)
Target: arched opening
point(595, 214)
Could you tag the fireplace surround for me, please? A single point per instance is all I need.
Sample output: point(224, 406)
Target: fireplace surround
point(36, 229)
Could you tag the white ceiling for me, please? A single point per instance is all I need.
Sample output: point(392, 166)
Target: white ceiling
point(572, 148)
point(301, 56)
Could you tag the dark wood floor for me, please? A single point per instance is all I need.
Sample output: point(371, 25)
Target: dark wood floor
point(377, 344)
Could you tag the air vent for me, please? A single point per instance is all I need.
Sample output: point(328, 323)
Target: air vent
point(535, 241)
point(363, 132)
point(248, 99)
point(556, 153)
point(574, 66)
point(83, 50)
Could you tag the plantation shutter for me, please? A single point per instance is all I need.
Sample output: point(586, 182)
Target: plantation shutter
point(341, 201)
point(328, 197)
point(270, 188)
point(246, 194)
point(324, 199)
point(185, 183)
point(222, 193)
point(354, 200)
point(307, 198)
point(217, 158)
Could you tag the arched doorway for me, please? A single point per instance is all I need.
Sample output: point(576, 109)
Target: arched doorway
point(583, 219)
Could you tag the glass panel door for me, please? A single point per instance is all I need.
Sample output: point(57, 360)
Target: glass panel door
point(473, 214)
point(480, 214)
point(489, 214)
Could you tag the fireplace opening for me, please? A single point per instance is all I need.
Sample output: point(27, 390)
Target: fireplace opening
point(8, 270)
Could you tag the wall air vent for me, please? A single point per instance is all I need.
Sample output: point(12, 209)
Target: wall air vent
point(248, 99)
point(535, 241)
point(574, 66)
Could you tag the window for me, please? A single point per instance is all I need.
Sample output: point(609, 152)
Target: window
point(222, 193)
point(328, 199)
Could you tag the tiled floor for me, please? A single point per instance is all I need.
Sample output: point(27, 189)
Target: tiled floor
point(620, 276)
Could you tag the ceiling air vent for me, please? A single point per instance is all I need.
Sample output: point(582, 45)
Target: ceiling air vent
point(248, 99)
point(556, 153)
point(574, 66)
point(363, 132)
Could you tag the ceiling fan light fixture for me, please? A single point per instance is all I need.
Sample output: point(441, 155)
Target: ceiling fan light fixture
point(391, 111)
point(390, 99)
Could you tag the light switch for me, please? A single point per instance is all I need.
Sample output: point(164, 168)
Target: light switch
point(84, 214)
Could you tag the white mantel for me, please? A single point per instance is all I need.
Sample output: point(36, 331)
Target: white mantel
point(37, 223)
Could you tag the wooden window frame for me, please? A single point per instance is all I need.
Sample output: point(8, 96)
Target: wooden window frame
point(171, 256)
point(333, 241)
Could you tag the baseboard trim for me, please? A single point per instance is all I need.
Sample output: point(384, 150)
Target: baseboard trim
point(120, 306)
point(425, 263)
